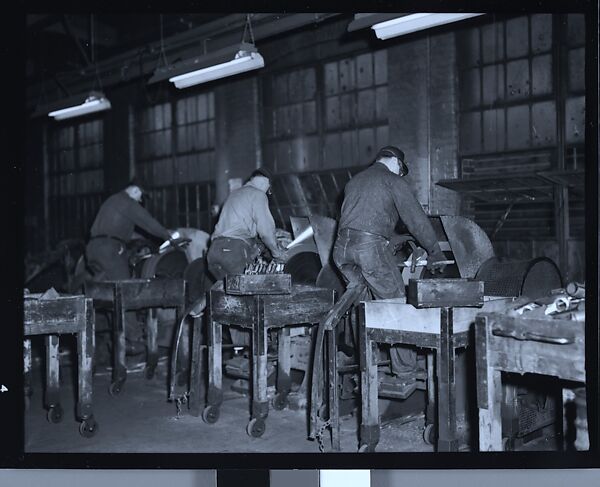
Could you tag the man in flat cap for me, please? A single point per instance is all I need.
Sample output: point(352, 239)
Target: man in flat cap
point(245, 217)
point(106, 251)
point(374, 200)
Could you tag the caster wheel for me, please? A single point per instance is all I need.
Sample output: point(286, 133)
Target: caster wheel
point(256, 427)
point(115, 388)
point(55, 414)
point(88, 427)
point(429, 434)
point(210, 414)
point(149, 372)
point(280, 401)
point(365, 448)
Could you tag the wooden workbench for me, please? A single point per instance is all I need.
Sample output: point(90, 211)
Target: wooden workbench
point(120, 296)
point(51, 318)
point(258, 313)
point(442, 330)
point(551, 347)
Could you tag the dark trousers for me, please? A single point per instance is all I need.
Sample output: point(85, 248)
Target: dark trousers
point(365, 258)
point(107, 260)
point(230, 256)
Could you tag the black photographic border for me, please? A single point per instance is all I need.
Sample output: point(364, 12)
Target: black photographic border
point(14, 131)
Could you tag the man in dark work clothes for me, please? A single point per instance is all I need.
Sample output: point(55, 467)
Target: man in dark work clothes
point(373, 201)
point(106, 252)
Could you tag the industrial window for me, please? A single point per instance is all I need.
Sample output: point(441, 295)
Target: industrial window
point(355, 109)
point(522, 118)
point(76, 177)
point(327, 116)
point(290, 120)
point(515, 76)
point(174, 152)
point(320, 124)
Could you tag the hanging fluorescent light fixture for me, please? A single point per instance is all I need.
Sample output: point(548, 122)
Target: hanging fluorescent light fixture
point(209, 67)
point(94, 101)
point(409, 23)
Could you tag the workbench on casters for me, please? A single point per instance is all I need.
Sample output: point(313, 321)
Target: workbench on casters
point(51, 318)
point(553, 347)
point(258, 313)
point(442, 330)
point(120, 296)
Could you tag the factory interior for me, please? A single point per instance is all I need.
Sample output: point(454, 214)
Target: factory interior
point(305, 233)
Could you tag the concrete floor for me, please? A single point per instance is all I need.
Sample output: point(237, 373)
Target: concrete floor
point(141, 420)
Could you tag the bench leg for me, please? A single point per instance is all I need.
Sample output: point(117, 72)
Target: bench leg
point(151, 343)
point(85, 359)
point(214, 394)
point(369, 427)
point(430, 411)
point(446, 404)
point(489, 392)
point(197, 372)
point(119, 373)
point(334, 415)
point(284, 380)
point(52, 394)
point(184, 349)
point(260, 406)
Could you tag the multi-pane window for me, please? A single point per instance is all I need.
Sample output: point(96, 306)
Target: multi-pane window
point(506, 89)
point(522, 119)
point(174, 151)
point(76, 177)
point(355, 108)
point(331, 115)
point(291, 140)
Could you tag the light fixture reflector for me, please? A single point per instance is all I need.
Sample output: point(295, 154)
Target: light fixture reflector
point(416, 22)
point(94, 103)
point(242, 62)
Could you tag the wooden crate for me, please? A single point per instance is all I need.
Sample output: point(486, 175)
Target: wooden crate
point(440, 293)
point(243, 284)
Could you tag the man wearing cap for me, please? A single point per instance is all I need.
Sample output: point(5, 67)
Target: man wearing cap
point(374, 199)
point(112, 229)
point(244, 218)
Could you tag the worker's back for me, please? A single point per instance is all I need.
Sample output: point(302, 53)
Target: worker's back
point(369, 201)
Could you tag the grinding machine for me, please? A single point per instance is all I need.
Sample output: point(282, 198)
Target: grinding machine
point(527, 408)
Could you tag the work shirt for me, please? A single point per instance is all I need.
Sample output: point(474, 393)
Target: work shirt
point(120, 214)
point(376, 197)
point(245, 215)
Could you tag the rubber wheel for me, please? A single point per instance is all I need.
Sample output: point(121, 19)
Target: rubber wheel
point(507, 444)
point(429, 434)
point(210, 414)
point(55, 414)
point(365, 448)
point(88, 427)
point(280, 401)
point(256, 427)
point(115, 388)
